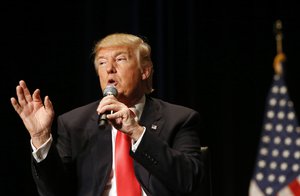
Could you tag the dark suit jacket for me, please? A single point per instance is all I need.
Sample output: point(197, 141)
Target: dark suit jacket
point(167, 161)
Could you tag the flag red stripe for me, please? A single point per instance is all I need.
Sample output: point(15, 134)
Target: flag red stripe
point(295, 187)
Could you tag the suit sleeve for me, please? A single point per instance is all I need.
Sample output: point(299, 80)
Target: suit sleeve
point(52, 175)
point(173, 156)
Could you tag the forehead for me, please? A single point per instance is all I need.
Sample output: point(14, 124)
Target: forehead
point(114, 50)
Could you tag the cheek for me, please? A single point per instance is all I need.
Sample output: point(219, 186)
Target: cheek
point(128, 82)
point(102, 79)
point(132, 77)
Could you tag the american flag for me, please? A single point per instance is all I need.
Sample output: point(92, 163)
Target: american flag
point(277, 170)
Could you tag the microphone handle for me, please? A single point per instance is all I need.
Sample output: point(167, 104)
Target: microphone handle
point(102, 121)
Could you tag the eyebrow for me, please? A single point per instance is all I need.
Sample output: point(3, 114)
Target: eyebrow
point(116, 54)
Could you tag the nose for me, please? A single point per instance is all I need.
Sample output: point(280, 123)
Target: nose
point(110, 67)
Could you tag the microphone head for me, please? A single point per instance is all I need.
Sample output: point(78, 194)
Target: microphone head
point(110, 90)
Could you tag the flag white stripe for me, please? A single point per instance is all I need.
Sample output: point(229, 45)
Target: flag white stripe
point(254, 189)
point(285, 192)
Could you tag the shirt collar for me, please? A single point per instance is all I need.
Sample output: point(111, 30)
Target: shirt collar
point(139, 107)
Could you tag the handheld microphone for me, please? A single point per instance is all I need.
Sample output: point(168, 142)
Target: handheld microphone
point(109, 90)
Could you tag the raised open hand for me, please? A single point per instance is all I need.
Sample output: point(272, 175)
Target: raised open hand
point(36, 115)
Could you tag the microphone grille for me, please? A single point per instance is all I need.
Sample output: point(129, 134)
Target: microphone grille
point(110, 90)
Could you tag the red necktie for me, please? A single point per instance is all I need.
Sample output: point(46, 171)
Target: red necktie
point(127, 184)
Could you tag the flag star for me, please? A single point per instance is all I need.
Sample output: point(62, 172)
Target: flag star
point(275, 89)
point(271, 114)
point(269, 190)
point(268, 126)
point(295, 167)
point(291, 115)
point(283, 166)
point(273, 165)
point(280, 115)
point(279, 128)
point(259, 176)
point(283, 90)
point(281, 179)
point(289, 128)
point(266, 139)
point(261, 164)
point(297, 155)
point(282, 102)
point(288, 141)
point(286, 153)
point(264, 151)
point(273, 102)
point(277, 140)
point(275, 153)
point(271, 177)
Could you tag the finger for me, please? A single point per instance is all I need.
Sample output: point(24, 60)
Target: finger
point(20, 94)
point(15, 104)
point(26, 91)
point(48, 104)
point(103, 103)
point(111, 108)
point(133, 111)
point(115, 115)
point(37, 96)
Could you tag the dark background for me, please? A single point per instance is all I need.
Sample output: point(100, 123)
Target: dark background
point(213, 56)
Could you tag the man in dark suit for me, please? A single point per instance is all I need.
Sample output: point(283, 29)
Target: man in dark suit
point(165, 146)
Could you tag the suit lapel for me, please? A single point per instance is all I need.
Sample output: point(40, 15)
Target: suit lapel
point(100, 141)
point(152, 119)
point(151, 116)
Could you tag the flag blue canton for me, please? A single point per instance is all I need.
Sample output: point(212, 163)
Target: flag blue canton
point(278, 160)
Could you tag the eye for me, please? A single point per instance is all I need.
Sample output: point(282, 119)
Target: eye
point(101, 62)
point(121, 58)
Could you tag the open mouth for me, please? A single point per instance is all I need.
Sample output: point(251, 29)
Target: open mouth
point(111, 82)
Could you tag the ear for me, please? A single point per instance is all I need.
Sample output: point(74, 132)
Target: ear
point(146, 71)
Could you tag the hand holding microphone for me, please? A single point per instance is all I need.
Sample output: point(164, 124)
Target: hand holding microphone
point(125, 119)
point(109, 90)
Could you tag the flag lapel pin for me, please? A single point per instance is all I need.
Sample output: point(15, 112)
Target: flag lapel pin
point(154, 127)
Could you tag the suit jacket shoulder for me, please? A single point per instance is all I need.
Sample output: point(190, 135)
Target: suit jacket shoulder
point(81, 113)
point(156, 110)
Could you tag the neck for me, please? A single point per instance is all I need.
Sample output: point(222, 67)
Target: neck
point(131, 101)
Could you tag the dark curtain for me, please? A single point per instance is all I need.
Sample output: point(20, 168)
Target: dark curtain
point(213, 56)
